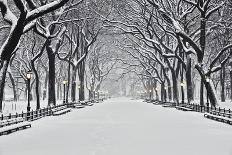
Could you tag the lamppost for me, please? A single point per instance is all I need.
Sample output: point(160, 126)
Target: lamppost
point(150, 94)
point(207, 80)
point(29, 76)
point(165, 93)
point(182, 91)
point(64, 83)
point(79, 88)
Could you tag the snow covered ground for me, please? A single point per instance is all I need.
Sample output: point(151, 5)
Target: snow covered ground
point(122, 127)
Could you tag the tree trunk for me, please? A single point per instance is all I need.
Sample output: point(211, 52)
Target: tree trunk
point(81, 74)
point(74, 85)
point(231, 85)
point(202, 93)
point(36, 86)
point(4, 66)
point(51, 76)
point(189, 83)
point(211, 92)
point(169, 89)
point(13, 86)
point(45, 87)
point(162, 92)
point(222, 81)
point(175, 87)
point(58, 90)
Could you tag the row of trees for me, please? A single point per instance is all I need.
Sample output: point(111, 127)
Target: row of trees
point(166, 44)
point(53, 40)
point(174, 43)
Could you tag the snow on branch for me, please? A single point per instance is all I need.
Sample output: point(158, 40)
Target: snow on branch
point(44, 9)
point(220, 54)
point(7, 14)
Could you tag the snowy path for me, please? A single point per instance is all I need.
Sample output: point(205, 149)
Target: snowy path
point(122, 127)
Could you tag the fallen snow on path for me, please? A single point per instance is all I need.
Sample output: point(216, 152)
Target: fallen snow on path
point(122, 127)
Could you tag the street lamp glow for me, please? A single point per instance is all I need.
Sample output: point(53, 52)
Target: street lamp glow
point(230, 68)
point(29, 74)
point(182, 84)
point(150, 91)
point(207, 79)
point(65, 82)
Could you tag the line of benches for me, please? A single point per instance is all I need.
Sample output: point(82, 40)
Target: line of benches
point(219, 115)
point(216, 114)
point(185, 107)
point(14, 124)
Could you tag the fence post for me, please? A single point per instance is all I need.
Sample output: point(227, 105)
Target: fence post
point(9, 117)
point(224, 112)
point(43, 112)
point(229, 114)
point(32, 114)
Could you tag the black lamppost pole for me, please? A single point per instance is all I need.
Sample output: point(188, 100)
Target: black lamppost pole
point(207, 80)
point(29, 76)
point(182, 91)
point(64, 83)
point(79, 88)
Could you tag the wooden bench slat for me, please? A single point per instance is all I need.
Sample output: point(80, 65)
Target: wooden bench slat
point(218, 118)
point(62, 112)
point(183, 108)
point(11, 128)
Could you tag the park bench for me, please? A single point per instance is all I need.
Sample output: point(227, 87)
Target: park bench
point(157, 102)
point(184, 107)
point(77, 105)
point(60, 110)
point(14, 127)
point(219, 115)
point(86, 102)
point(89, 104)
point(11, 121)
point(169, 104)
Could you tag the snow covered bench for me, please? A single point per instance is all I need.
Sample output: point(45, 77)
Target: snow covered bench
point(157, 102)
point(86, 102)
point(169, 104)
point(89, 104)
point(61, 112)
point(14, 127)
point(11, 121)
point(219, 118)
point(184, 107)
point(78, 106)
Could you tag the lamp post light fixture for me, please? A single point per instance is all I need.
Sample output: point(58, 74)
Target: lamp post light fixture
point(182, 84)
point(64, 83)
point(28, 76)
